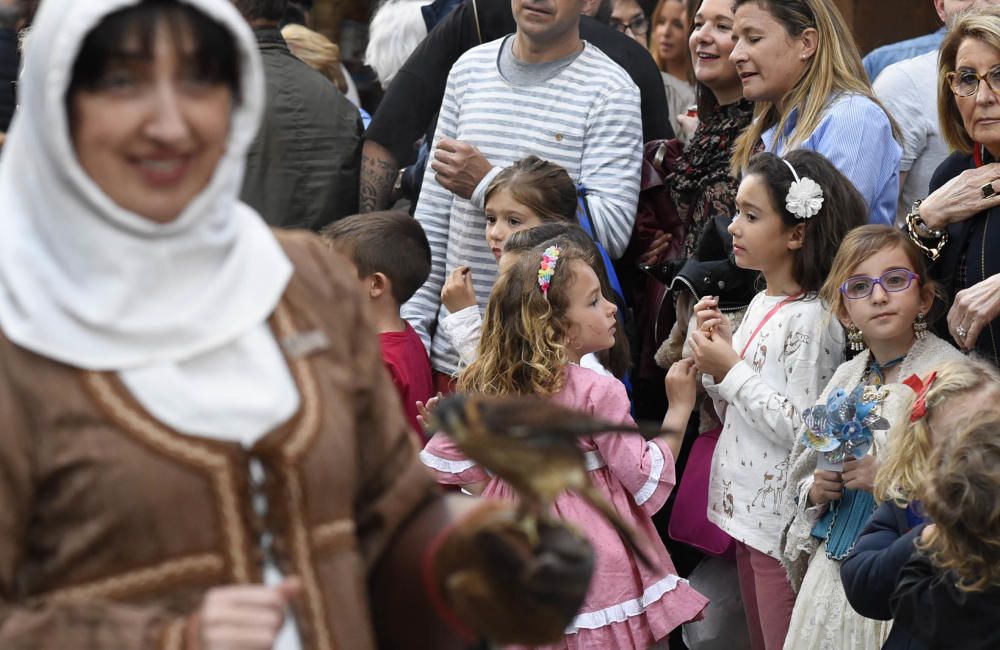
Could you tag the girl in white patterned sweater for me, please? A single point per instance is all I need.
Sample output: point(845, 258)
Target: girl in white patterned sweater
point(791, 215)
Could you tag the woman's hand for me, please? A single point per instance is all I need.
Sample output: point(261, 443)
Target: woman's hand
point(827, 486)
point(457, 293)
point(713, 355)
point(961, 197)
point(245, 617)
point(973, 309)
point(927, 534)
point(659, 246)
point(860, 474)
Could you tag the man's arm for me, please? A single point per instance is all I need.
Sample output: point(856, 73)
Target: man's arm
point(409, 104)
point(379, 169)
point(612, 159)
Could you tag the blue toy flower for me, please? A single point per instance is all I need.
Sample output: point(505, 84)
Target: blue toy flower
point(842, 427)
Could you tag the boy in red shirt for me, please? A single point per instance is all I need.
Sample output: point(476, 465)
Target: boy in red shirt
point(393, 259)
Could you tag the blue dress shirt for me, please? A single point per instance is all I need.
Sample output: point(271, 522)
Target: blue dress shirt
point(882, 57)
point(856, 136)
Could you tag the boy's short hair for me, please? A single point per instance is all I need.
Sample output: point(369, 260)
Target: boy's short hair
point(389, 242)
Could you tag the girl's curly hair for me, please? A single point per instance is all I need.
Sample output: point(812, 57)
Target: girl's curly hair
point(907, 463)
point(961, 500)
point(522, 349)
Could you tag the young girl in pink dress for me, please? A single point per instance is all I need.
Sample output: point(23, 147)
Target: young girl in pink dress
point(546, 311)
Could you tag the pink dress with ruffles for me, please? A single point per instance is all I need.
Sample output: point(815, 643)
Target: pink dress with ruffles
point(627, 605)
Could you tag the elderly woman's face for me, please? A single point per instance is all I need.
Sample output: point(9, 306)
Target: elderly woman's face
point(151, 131)
point(981, 110)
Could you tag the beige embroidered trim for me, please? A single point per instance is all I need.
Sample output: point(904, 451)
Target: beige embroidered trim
point(297, 444)
point(127, 585)
point(190, 452)
point(333, 533)
point(173, 637)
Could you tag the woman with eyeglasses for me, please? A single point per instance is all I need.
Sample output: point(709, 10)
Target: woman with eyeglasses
point(958, 225)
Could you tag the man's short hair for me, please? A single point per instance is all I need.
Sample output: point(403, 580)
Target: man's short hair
point(390, 242)
point(261, 9)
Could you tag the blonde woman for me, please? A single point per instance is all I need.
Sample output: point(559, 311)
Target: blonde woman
point(316, 51)
point(799, 64)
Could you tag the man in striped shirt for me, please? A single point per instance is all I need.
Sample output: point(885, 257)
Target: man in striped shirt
point(540, 91)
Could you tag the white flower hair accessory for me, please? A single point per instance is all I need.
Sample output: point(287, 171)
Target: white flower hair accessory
point(805, 196)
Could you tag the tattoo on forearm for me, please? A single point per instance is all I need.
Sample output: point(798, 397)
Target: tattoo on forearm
point(377, 177)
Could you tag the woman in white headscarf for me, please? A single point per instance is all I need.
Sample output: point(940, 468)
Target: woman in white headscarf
point(195, 427)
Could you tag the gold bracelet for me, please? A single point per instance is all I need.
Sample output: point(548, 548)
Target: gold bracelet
point(933, 252)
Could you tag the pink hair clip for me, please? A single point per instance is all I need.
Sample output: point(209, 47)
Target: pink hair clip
point(548, 268)
point(920, 388)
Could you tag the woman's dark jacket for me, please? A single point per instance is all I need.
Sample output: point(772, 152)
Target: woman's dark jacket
point(977, 241)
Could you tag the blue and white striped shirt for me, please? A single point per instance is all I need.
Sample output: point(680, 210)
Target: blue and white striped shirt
point(587, 118)
point(854, 134)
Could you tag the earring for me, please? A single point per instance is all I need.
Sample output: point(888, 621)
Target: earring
point(855, 339)
point(920, 327)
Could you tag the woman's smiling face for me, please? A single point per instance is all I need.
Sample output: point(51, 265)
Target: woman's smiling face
point(152, 129)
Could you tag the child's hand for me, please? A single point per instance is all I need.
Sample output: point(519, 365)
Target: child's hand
point(711, 320)
point(827, 486)
point(719, 327)
point(706, 308)
point(457, 293)
point(713, 355)
point(424, 412)
point(682, 384)
point(860, 474)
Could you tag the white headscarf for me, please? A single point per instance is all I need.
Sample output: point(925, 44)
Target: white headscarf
point(87, 283)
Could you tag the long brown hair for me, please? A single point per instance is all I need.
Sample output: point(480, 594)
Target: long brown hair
point(834, 68)
point(655, 51)
point(522, 349)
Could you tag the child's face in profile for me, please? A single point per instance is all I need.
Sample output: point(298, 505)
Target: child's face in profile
point(505, 215)
point(591, 316)
point(761, 240)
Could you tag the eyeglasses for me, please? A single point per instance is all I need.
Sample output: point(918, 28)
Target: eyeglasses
point(639, 25)
point(861, 286)
point(966, 82)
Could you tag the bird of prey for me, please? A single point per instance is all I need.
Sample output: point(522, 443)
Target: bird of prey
point(531, 444)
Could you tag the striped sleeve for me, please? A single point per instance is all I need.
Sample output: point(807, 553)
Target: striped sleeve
point(611, 167)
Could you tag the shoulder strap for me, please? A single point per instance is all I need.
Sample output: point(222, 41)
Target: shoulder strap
point(475, 13)
point(767, 317)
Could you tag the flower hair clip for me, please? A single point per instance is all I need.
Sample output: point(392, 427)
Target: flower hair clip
point(548, 268)
point(921, 388)
point(805, 196)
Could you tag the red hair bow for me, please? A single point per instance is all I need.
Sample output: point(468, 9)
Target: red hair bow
point(920, 388)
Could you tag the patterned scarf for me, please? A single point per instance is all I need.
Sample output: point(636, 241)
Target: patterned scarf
point(700, 184)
